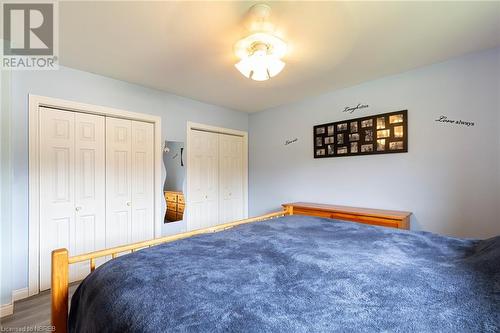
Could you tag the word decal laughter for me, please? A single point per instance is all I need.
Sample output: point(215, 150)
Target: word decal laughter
point(351, 109)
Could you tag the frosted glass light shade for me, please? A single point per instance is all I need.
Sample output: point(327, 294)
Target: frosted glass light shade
point(260, 67)
point(260, 56)
point(275, 66)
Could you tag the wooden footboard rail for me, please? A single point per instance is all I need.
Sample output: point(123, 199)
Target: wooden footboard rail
point(61, 261)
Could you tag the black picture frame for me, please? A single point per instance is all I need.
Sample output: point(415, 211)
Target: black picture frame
point(384, 133)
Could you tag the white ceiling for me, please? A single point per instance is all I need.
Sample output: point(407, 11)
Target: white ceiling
point(185, 48)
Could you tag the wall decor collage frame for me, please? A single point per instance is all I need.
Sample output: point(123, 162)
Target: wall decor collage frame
point(384, 133)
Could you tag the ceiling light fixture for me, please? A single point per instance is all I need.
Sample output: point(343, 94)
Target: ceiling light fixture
point(261, 52)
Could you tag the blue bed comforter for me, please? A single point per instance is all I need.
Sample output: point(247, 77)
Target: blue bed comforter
point(297, 274)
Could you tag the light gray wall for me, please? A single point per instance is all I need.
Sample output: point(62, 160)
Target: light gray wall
point(85, 87)
point(449, 178)
point(5, 197)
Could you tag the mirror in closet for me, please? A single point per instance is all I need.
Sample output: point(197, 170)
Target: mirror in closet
point(174, 158)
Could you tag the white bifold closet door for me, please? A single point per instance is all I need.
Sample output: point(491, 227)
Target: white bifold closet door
point(204, 180)
point(142, 181)
point(230, 178)
point(129, 181)
point(96, 185)
point(72, 195)
point(215, 191)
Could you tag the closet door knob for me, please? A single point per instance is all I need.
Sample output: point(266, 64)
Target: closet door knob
point(78, 208)
point(129, 203)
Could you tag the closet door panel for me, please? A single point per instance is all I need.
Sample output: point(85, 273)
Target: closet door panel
point(196, 193)
point(203, 188)
point(142, 181)
point(212, 180)
point(90, 195)
point(230, 178)
point(57, 195)
point(118, 181)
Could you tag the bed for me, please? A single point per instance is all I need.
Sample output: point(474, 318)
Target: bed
point(297, 274)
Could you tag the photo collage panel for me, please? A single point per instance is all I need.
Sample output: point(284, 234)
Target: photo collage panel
point(378, 134)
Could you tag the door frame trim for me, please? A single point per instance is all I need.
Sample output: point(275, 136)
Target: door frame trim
point(35, 102)
point(192, 126)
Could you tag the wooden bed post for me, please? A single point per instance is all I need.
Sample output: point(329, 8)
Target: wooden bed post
point(59, 292)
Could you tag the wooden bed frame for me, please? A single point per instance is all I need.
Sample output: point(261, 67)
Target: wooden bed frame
point(61, 261)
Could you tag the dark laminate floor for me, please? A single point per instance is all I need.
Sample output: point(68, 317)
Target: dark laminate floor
point(32, 311)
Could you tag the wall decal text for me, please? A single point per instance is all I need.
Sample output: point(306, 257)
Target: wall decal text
point(444, 119)
point(288, 142)
point(351, 109)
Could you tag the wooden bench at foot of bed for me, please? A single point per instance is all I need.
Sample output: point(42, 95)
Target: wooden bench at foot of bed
point(386, 218)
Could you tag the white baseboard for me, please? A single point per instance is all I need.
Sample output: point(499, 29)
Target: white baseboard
point(20, 294)
point(6, 310)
